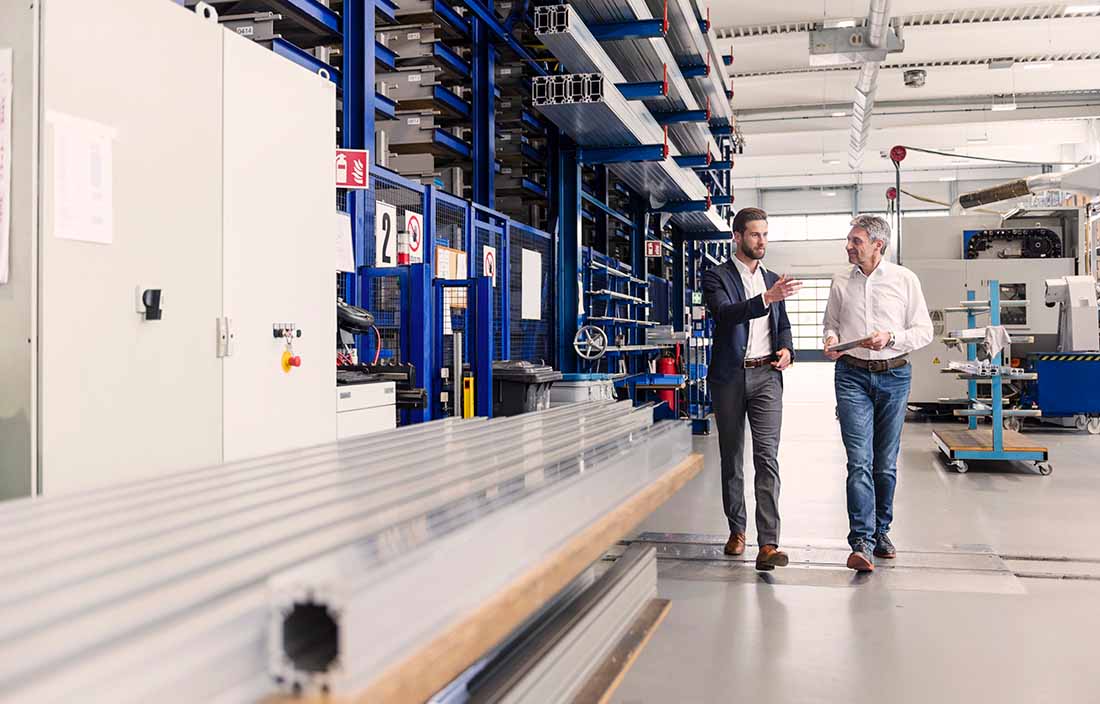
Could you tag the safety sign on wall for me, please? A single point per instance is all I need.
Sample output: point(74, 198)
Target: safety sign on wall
point(489, 262)
point(352, 168)
point(653, 248)
point(413, 238)
point(385, 235)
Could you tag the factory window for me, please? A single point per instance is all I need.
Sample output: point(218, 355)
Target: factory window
point(793, 228)
point(807, 311)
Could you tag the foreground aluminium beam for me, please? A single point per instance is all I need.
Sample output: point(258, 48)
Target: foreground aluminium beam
point(166, 590)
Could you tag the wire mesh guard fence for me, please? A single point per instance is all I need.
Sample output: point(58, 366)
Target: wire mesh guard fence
point(454, 319)
point(489, 249)
point(531, 293)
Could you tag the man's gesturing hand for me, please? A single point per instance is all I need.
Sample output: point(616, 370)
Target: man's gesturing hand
point(829, 342)
point(783, 289)
point(784, 359)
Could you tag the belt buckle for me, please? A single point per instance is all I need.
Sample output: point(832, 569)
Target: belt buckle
point(878, 365)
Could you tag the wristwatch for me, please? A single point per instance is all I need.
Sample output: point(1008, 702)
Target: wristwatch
point(891, 342)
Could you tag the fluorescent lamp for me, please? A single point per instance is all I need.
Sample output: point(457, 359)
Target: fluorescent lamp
point(1082, 9)
point(831, 161)
point(840, 23)
point(978, 140)
point(949, 178)
point(829, 194)
point(1003, 107)
point(840, 114)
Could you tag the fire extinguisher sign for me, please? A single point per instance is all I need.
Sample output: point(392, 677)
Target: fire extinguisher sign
point(653, 248)
point(352, 168)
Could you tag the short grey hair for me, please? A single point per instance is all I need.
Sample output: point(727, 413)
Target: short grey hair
point(876, 228)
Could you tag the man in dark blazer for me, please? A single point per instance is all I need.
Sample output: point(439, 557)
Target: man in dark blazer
point(752, 347)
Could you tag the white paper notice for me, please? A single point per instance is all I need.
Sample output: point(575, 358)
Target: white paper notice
point(345, 253)
point(5, 160)
point(83, 179)
point(531, 285)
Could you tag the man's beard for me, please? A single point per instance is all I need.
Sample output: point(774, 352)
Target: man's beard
point(749, 252)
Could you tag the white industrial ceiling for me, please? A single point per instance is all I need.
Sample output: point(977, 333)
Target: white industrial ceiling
point(1042, 57)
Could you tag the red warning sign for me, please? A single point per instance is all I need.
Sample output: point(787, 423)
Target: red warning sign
point(653, 248)
point(352, 168)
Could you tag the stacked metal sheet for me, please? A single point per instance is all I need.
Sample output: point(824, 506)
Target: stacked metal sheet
point(428, 139)
point(308, 570)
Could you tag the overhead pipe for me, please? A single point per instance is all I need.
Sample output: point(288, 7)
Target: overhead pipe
point(878, 23)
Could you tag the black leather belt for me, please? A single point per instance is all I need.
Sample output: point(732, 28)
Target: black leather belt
point(876, 366)
point(759, 361)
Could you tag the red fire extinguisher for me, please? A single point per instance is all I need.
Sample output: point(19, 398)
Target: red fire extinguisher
point(667, 365)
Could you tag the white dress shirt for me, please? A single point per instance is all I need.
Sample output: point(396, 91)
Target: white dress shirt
point(889, 300)
point(760, 329)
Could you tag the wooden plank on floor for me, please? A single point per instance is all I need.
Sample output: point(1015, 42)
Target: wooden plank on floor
point(459, 645)
point(609, 675)
point(981, 440)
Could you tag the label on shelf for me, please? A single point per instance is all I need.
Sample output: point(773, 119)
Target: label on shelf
point(413, 121)
point(412, 35)
point(415, 77)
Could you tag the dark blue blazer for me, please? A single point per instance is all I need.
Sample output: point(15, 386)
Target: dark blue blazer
point(725, 298)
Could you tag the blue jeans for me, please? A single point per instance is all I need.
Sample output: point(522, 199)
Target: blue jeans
point(871, 407)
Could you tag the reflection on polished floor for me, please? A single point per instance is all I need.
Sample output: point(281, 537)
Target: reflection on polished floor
point(994, 597)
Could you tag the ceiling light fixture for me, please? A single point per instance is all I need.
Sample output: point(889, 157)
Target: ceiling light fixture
point(1003, 107)
point(1082, 9)
point(831, 162)
point(844, 23)
point(949, 178)
point(840, 114)
point(978, 140)
point(829, 194)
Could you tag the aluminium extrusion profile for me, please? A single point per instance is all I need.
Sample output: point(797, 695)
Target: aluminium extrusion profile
point(72, 634)
point(553, 659)
point(371, 636)
point(688, 42)
point(645, 60)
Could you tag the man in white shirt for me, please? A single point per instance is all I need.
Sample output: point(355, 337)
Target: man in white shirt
point(882, 305)
point(751, 348)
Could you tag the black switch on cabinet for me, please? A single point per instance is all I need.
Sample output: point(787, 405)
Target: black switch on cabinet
point(150, 298)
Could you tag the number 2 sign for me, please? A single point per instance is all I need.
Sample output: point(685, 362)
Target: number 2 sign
point(385, 235)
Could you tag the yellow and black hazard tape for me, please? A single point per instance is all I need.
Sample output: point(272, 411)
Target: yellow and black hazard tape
point(1068, 357)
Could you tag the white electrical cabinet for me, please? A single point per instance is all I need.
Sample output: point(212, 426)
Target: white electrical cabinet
point(167, 154)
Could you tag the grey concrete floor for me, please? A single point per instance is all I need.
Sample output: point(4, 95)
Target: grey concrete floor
point(961, 616)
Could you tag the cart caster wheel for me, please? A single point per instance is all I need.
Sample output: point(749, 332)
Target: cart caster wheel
point(1013, 424)
point(1094, 426)
point(1081, 422)
point(960, 466)
point(1045, 468)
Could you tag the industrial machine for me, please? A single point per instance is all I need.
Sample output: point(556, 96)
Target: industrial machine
point(168, 305)
point(954, 254)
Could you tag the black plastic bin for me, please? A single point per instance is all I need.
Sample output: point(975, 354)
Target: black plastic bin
point(521, 387)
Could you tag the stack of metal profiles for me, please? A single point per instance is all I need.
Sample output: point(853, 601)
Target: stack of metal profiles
point(691, 45)
point(643, 60)
point(612, 120)
point(336, 567)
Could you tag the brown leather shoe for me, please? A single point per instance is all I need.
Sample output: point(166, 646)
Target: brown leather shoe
point(860, 562)
point(735, 545)
point(770, 557)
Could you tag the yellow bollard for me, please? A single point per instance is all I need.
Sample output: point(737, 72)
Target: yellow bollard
point(467, 396)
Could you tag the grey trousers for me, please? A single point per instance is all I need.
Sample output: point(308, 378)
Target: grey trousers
point(759, 397)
